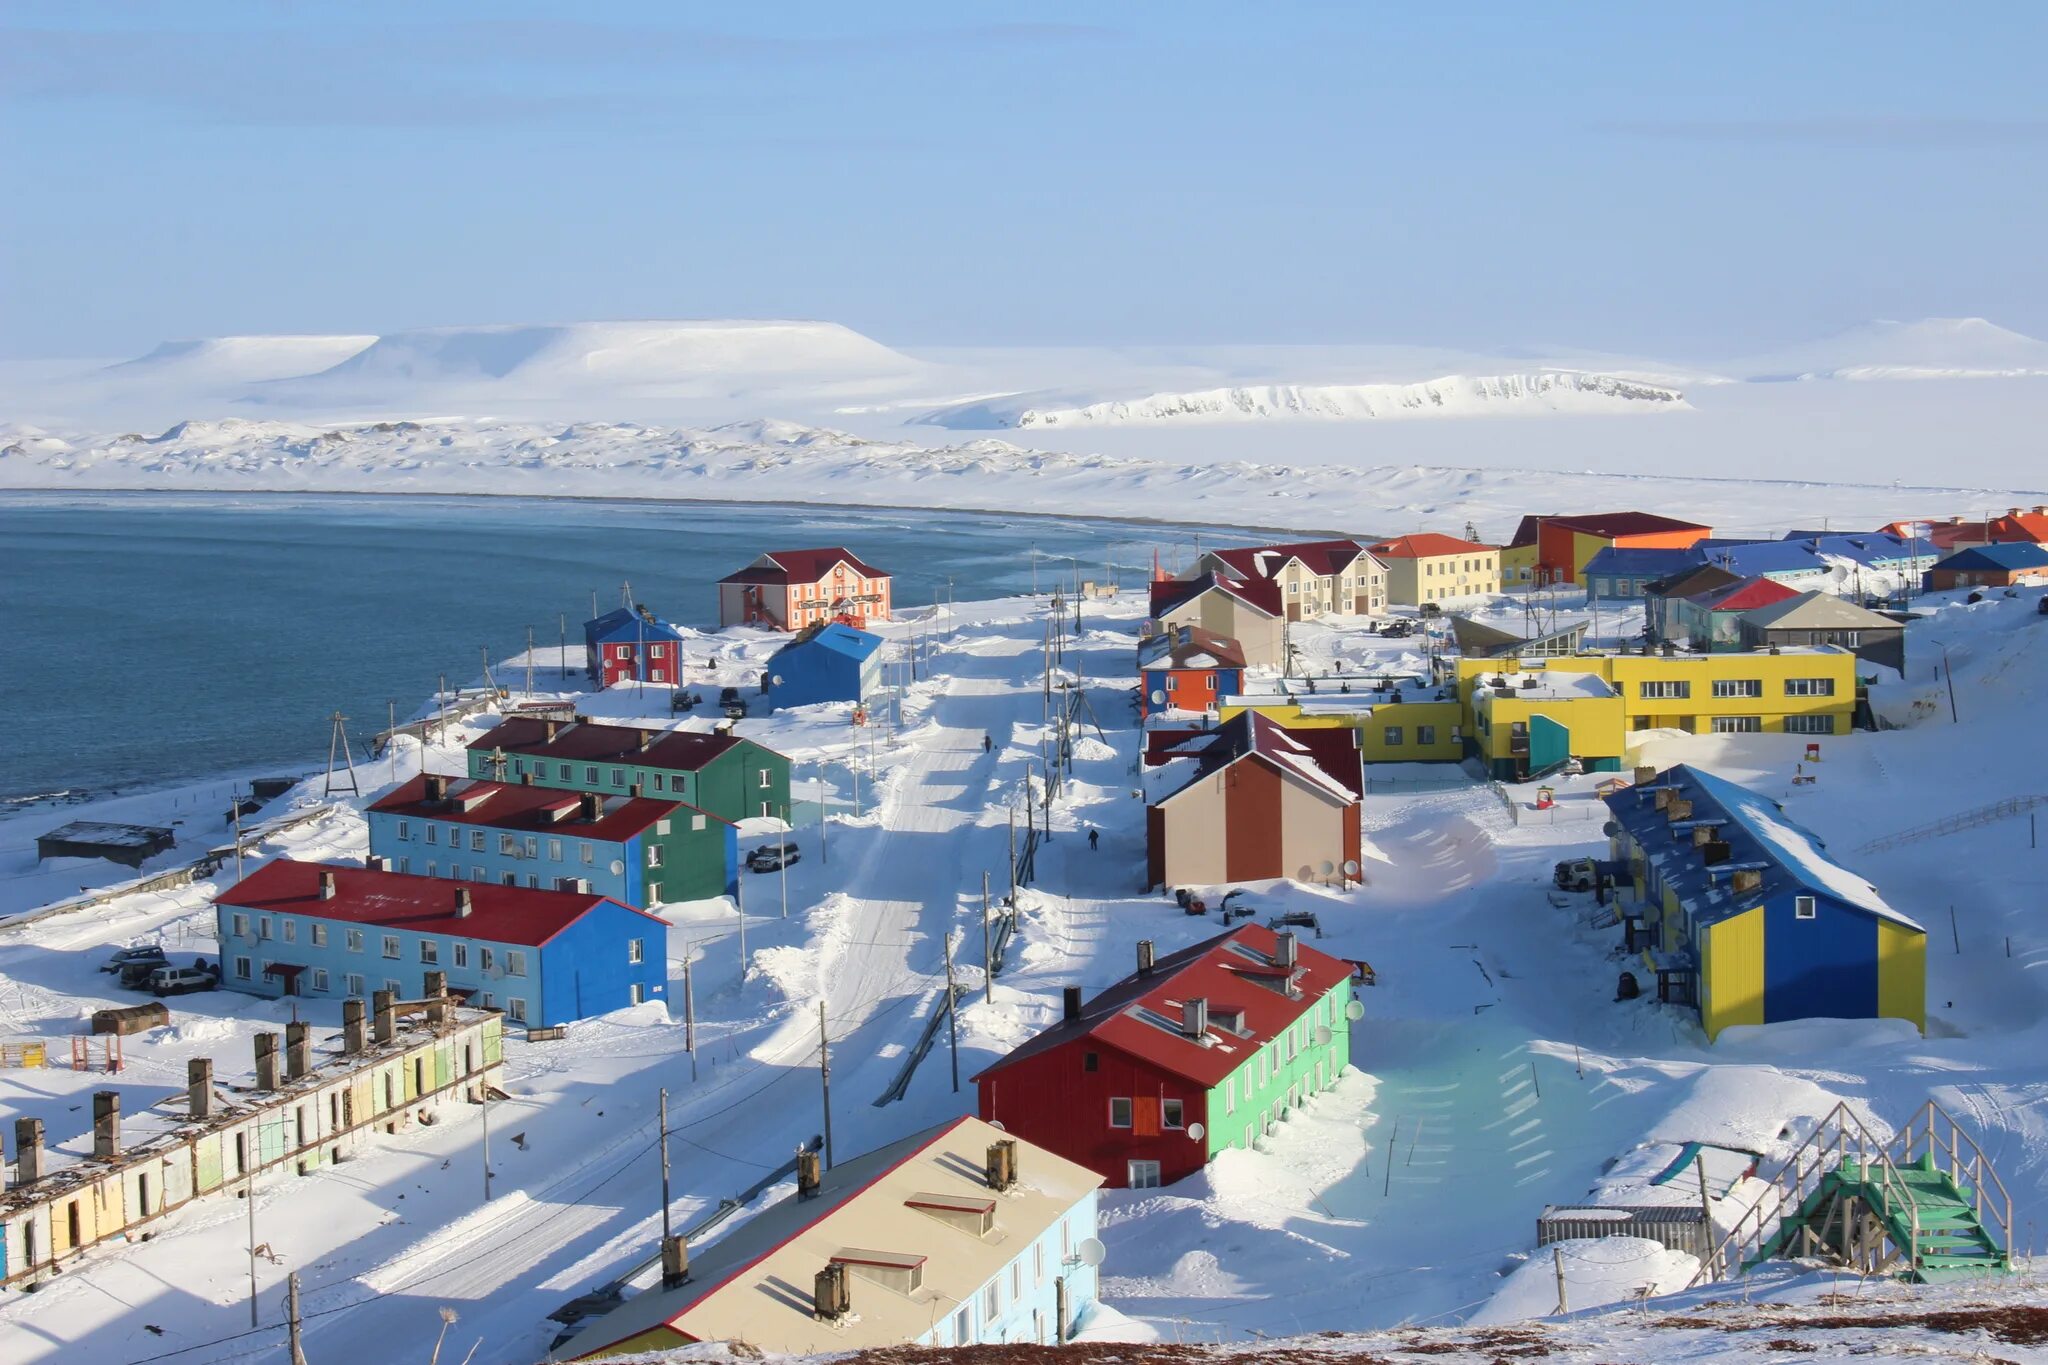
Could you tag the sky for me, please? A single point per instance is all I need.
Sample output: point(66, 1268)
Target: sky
point(1684, 181)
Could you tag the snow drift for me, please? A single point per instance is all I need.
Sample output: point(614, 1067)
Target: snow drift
point(1932, 348)
point(1448, 396)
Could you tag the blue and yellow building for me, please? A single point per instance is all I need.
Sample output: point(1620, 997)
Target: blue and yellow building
point(1742, 913)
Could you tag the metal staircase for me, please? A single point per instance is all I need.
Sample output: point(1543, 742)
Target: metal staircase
point(1926, 1204)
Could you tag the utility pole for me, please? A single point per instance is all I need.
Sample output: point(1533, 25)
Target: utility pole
point(739, 900)
point(824, 803)
point(825, 1079)
point(562, 655)
point(1699, 1164)
point(440, 720)
point(782, 871)
point(291, 1317)
point(665, 1229)
point(485, 1110)
point(337, 744)
point(690, 1011)
point(250, 1195)
point(391, 735)
point(1557, 1263)
point(952, 1013)
point(1013, 849)
point(529, 661)
point(236, 799)
point(988, 961)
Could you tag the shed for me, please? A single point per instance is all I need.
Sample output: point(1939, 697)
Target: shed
point(131, 845)
point(131, 1018)
point(825, 663)
point(1676, 1227)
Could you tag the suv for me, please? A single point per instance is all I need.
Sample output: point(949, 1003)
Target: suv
point(140, 955)
point(773, 857)
point(183, 980)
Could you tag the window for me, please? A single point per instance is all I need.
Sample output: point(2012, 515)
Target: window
point(1120, 1113)
point(583, 851)
point(635, 950)
point(291, 930)
point(963, 1326)
point(533, 845)
point(242, 968)
point(476, 841)
point(1664, 691)
point(1038, 1263)
point(1809, 725)
point(1172, 1114)
point(992, 1300)
point(1809, 687)
point(515, 962)
point(764, 779)
point(589, 777)
point(405, 865)
point(483, 957)
point(319, 978)
point(1738, 725)
point(477, 874)
point(510, 878)
point(355, 940)
point(241, 925)
point(1393, 736)
point(566, 770)
point(618, 777)
point(319, 936)
point(430, 951)
point(462, 954)
point(654, 855)
point(391, 984)
point(433, 834)
point(1144, 1175)
point(263, 926)
point(1738, 687)
point(515, 1009)
point(1230, 1094)
point(697, 822)
point(352, 984)
point(636, 994)
point(1803, 907)
point(554, 850)
point(405, 829)
point(391, 945)
point(508, 845)
point(1089, 1061)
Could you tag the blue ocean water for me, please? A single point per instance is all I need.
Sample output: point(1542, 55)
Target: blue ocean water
point(151, 638)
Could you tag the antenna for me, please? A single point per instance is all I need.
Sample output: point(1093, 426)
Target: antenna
point(337, 745)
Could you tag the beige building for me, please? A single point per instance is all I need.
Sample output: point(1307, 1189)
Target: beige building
point(1314, 577)
point(1247, 611)
point(1427, 567)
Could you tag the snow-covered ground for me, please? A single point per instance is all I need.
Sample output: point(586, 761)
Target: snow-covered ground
point(1496, 1072)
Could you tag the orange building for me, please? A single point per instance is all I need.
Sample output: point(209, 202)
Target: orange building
point(1562, 545)
point(792, 589)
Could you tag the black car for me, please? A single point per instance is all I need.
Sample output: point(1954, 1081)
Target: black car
point(148, 956)
point(773, 857)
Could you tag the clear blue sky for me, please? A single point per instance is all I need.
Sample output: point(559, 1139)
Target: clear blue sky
point(1691, 180)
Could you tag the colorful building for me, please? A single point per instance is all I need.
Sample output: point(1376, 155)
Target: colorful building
point(1314, 577)
point(1745, 917)
point(1395, 720)
point(1557, 549)
point(1197, 1053)
point(1712, 620)
point(1990, 566)
point(1528, 725)
point(722, 775)
point(2020, 524)
point(1866, 561)
point(1819, 618)
point(824, 663)
point(959, 1235)
point(640, 850)
point(1249, 800)
point(1619, 573)
point(1187, 669)
point(631, 644)
point(791, 589)
point(1661, 598)
point(1429, 568)
point(543, 957)
point(1248, 611)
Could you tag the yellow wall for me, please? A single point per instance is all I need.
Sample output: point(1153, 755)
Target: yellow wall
point(1732, 973)
point(1518, 565)
point(1901, 974)
point(1435, 578)
point(1446, 716)
point(1584, 547)
point(1595, 724)
point(1628, 672)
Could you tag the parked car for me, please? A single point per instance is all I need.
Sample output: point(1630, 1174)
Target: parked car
point(773, 857)
point(137, 954)
point(184, 980)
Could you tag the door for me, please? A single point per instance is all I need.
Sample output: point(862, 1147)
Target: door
point(1549, 744)
point(1145, 1116)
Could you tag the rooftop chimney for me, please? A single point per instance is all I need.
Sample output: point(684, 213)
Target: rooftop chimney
point(383, 1016)
point(675, 1261)
point(1194, 1017)
point(592, 806)
point(1645, 774)
point(1702, 835)
point(199, 1087)
point(526, 779)
point(355, 1033)
point(464, 905)
point(1144, 957)
point(1678, 808)
point(1070, 1003)
point(1746, 879)
point(1662, 800)
point(646, 740)
point(434, 983)
point(1001, 1164)
point(437, 788)
point(326, 884)
point(106, 1123)
point(829, 1297)
point(1715, 851)
point(298, 1049)
point(552, 726)
point(1286, 949)
point(28, 1151)
point(634, 791)
point(808, 1176)
point(266, 1061)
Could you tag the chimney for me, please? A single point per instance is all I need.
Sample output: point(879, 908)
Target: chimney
point(1070, 1004)
point(1144, 957)
point(464, 905)
point(326, 884)
point(199, 1087)
point(298, 1050)
point(592, 806)
point(1702, 835)
point(106, 1123)
point(526, 779)
point(808, 1174)
point(1670, 648)
point(2012, 511)
point(675, 1261)
point(1001, 1164)
point(635, 791)
point(1663, 797)
point(1678, 808)
point(1645, 774)
point(437, 788)
point(355, 1032)
point(266, 1061)
point(1715, 851)
point(829, 1297)
point(1285, 950)
point(28, 1151)
point(551, 728)
point(375, 863)
point(1194, 1017)
point(384, 1016)
point(1746, 879)
point(646, 740)
point(434, 983)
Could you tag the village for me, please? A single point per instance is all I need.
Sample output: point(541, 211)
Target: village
point(1120, 958)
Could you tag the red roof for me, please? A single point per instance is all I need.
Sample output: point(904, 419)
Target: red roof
point(586, 741)
point(1323, 557)
point(1260, 594)
point(507, 805)
point(1747, 595)
point(1609, 525)
point(1425, 545)
point(802, 566)
point(1325, 758)
point(423, 905)
point(1140, 1015)
point(1183, 646)
point(2021, 525)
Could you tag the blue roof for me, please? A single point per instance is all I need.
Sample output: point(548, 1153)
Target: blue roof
point(2013, 555)
point(623, 623)
point(1751, 558)
point(840, 639)
point(1760, 836)
point(1639, 561)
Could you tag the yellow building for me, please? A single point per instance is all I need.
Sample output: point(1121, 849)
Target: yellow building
point(1528, 724)
point(1518, 565)
point(1406, 721)
point(1428, 567)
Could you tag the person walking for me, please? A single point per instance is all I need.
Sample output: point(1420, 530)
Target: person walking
point(986, 743)
point(1094, 839)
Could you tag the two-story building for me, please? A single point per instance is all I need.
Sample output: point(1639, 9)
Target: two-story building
point(632, 644)
point(1394, 719)
point(1248, 611)
point(1427, 568)
point(1556, 549)
point(824, 663)
point(543, 957)
point(1314, 577)
point(641, 850)
point(960, 1235)
point(1990, 566)
point(1712, 620)
point(1199, 1052)
point(1528, 725)
point(791, 589)
point(1187, 669)
point(723, 775)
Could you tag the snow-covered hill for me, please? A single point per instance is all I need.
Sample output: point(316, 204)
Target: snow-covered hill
point(1447, 396)
point(238, 359)
point(1931, 348)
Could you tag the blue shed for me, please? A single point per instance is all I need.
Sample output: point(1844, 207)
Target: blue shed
point(831, 662)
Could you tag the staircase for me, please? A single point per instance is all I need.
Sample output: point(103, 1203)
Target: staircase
point(1925, 1204)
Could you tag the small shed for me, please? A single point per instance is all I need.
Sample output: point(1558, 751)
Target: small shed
point(1674, 1226)
point(131, 845)
point(830, 662)
point(131, 1018)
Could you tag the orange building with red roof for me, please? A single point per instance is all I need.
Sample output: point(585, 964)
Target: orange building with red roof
point(1428, 567)
point(1557, 549)
point(791, 589)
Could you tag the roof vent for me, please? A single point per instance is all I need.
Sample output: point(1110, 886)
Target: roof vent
point(1678, 808)
point(552, 728)
point(1194, 1017)
point(437, 787)
point(1001, 1164)
point(326, 884)
point(1070, 1003)
point(464, 905)
point(1663, 797)
point(1746, 879)
point(830, 1298)
point(1702, 835)
point(1530, 684)
point(1286, 949)
point(591, 806)
point(1144, 957)
point(1715, 851)
point(808, 1177)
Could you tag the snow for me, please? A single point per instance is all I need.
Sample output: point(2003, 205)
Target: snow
point(1597, 1272)
point(1931, 348)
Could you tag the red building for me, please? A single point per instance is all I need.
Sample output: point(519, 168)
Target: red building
point(1187, 669)
point(792, 589)
point(1198, 1052)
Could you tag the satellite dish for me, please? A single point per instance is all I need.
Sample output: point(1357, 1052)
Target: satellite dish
point(1355, 1011)
point(1323, 1035)
point(1091, 1251)
point(997, 1124)
point(1158, 697)
point(617, 867)
point(1196, 1132)
point(1328, 867)
point(1351, 868)
point(775, 680)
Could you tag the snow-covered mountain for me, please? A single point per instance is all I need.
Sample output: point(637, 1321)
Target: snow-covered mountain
point(1448, 396)
point(1932, 348)
point(216, 361)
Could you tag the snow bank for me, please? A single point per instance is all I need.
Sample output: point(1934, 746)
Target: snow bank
point(1748, 1108)
point(1597, 1272)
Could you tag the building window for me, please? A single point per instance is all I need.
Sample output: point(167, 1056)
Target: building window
point(1016, 1280)
point(391, 945)
point(476, 841)
point(1738, 725)
point(1425, 734)
point(636, 950)
point(515, 1009)
point(1738, 687)
point(1803, 907)
point(484, 958)
point(1230, 1094)
point(508, 845)
point(352, 984)
point(241, 926)
point(430, 952)
point(1809, 725)
point(242, 968)
point(991, 1300)
point(1037, 1263)
point(320, 979)
point(533, 846)
point(963, 1326)
point(1664, 691)
point(462, 954)
point(433, 834)
point(392, 985)
point(263, 926)
point(1809, 687)
point(696, 822)
point(565, 771)
point(405, 829)
point(1120, 1113)
point(1172, 1114)
point(1144, 1175)
point(405, 865)
point(515, 962)
point(1393, 734)
point(355, 940)
point(764, 779)
point(584, 852)
point(1090, 1061)
point(589, 777)
point(319, 935)
point(654, 855)
point(554, 850)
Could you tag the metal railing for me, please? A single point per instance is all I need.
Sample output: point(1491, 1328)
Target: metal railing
point(1962, 820)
